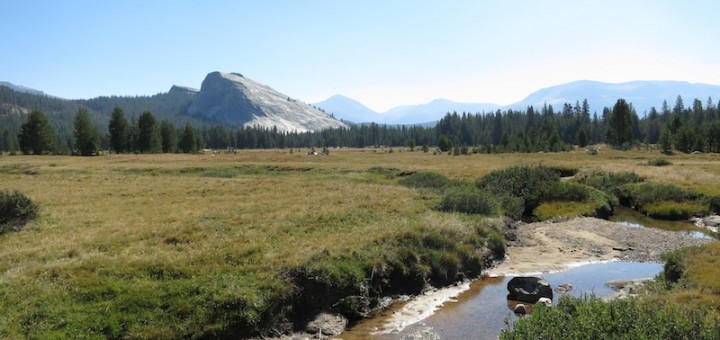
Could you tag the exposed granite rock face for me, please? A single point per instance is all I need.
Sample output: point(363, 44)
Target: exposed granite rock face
point(184, 90)
point(235, 100)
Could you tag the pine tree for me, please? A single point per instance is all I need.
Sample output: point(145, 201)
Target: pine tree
point(169, 137)
point(665, 140)
point(149, 138)
point(36, 135)
point(119, 131)
point(87, 141)
point(619, 123)
point(187, 143)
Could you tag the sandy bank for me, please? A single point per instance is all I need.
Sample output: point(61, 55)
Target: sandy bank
point(545, 246)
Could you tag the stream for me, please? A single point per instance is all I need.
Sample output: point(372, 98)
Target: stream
point(479, 310)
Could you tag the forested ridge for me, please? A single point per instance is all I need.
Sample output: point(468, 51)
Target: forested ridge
point(684, 128)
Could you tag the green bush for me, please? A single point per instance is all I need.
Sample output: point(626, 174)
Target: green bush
point(642, 194)
point(565, 171)
point(591, 318)
point(530, 184)
point(713, 203)
point(469, 200)
point(426, 180)
point(16, 210)
point(512, 206)
point(610, 182)
point(674, 268)
point(574, 200)
point(659, 162)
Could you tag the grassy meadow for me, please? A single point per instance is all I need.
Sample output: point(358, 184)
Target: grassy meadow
point(223, 245)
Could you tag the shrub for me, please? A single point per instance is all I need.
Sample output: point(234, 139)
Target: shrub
point(469, 200)
point(591, 318)
point(512, 206)
point(659, 162)
point(528, 183)
point(672, 210)
point(713, 203)
point(642, 194)
point(674, 268)
point(426, 180)
point(576, 200)
point(16, 210)
point(565, 171)
point(611, 182)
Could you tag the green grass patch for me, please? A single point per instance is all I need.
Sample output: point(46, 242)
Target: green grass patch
point(672, 210)
point(658, 162)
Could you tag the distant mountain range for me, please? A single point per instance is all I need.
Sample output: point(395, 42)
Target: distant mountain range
point(233, 100)
point(351, 110)
point(642, 94)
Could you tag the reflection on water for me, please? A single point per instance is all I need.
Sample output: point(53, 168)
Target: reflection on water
point(632, 218)
point(481, 312)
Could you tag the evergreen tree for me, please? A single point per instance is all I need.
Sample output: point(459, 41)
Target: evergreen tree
point(36, 135)
point(187, 142)
point(619, 124)
point(149, 138)
point(9, 143)
point(87, 141)
point(665, 140)
point(444, 143)
point(119, 131)
point(169, 137)
point(582, 138)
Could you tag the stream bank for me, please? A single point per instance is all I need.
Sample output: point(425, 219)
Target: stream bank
point(589, 248)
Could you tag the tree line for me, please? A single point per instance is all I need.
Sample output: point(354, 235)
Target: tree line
point(686, 129)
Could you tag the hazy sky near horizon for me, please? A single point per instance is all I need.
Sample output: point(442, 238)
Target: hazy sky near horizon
point(383, 53)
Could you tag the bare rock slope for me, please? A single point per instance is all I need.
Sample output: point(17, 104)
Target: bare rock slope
point(235, 100)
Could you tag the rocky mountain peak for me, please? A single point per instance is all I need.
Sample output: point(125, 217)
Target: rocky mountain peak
point(239, 101)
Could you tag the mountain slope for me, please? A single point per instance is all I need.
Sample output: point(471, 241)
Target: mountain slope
point(352, 110)
point(234, 100)
point(348, 109)
point(23, 89)
point(642, 94)
point(433, 111)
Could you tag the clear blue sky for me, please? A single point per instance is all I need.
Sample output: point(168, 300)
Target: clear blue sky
point(383, 53)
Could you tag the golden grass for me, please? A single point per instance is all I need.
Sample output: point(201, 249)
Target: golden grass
point(227, 224)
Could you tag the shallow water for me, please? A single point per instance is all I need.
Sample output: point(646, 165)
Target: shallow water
point(632, 218)
point(481, 311)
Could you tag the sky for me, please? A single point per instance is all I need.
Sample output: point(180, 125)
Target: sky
point(383, 53)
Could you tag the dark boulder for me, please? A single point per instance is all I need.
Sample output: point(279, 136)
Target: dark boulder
point(529, 289)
